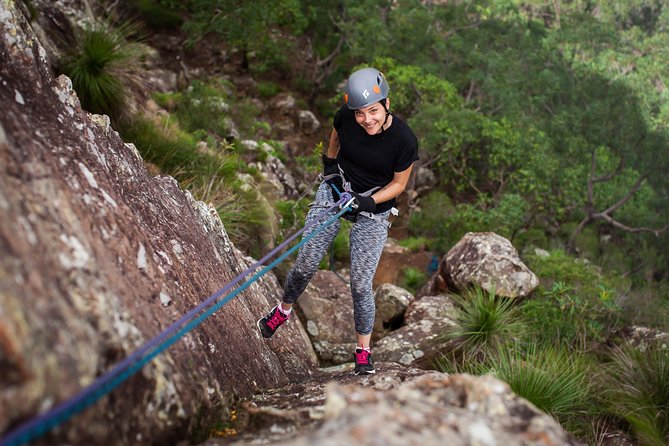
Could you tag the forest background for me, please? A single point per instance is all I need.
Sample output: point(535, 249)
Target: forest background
point(546, 122)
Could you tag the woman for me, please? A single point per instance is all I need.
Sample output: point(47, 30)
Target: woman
point(370, 155)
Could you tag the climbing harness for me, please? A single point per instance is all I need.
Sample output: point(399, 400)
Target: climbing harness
point(39, 425)
point(346, 185)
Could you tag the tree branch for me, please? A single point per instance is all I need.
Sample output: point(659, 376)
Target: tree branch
point(610, 175)
point(611, 209)
point(624, 227)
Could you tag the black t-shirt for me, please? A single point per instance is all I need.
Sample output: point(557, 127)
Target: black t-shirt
point(372, 160)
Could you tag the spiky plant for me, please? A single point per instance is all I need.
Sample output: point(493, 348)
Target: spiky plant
point(484, 323)
point(638, 391)
point(550, 377)
point(103, 64)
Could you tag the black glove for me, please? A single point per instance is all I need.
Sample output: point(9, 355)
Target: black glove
point(362, 204)
point(330, 167)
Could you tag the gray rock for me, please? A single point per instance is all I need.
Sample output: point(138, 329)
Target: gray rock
point(391, 303)
point(308, 122)
point(326, 305)
point(419, 342)
point(491, 262)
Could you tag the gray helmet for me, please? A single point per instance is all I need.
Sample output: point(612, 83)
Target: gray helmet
point(365, 87)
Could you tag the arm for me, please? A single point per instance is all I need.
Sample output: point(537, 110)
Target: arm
point(395, 187)
point(333, 146)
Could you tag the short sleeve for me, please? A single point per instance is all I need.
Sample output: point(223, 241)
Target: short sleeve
point(338, 120)
point(407, 155)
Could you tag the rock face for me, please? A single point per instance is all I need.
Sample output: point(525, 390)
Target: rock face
point(489, 261)
point(98, 257)
point(398, 406)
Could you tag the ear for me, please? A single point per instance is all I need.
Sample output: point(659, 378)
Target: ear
point(387, 103)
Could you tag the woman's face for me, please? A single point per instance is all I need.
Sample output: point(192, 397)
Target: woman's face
point(371, 118)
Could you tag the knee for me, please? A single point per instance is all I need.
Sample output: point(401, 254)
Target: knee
point(362, 291)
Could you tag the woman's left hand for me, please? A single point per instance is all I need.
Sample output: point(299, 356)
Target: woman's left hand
point(362, 204)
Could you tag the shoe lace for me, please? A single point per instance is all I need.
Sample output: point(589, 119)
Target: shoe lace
point(276, 319)
point(362, 357)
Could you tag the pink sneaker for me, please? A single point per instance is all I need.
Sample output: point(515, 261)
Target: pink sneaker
point(363, 362)
point(268, 324)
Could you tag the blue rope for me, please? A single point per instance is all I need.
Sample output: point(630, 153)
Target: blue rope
point(40, 425)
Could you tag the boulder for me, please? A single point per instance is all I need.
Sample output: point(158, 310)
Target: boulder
point(391, 303)
point(99, 257)
point(308, 122)
point(424, 181)
point(642, 338)
point(489, 261)
point(284, 103)
point(326, 309)
point(419, 341)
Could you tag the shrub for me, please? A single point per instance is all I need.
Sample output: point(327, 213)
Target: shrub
point(268, 89)
point(103, 65)
point(414, 244)
point(157, 16)
point(648, 306)
point(484, 324)
point(204, 106)
point(533, 237)
point(412, 278)
point(551, 378)
point(428, 222)
point(576, 304)
point(560, 316)
point(638, 390)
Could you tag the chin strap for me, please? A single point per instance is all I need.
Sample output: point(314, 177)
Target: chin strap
point(383, 126)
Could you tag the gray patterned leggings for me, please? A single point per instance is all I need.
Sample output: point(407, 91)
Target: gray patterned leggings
point(366, 245)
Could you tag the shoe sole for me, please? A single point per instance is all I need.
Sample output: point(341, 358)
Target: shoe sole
point(368, 372)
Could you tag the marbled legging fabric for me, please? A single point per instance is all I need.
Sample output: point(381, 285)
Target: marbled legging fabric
point(366, 245)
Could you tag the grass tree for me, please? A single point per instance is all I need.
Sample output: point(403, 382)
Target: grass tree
point(104, 64)
point(637, 389)
point(484, 324)
point(550, 377)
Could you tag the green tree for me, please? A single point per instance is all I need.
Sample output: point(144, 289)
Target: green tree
point(248, 26)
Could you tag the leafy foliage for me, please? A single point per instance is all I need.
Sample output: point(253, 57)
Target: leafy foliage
point(577, 309)
point(250, 26)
